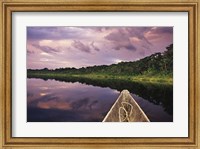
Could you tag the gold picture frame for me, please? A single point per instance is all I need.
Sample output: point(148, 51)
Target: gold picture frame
point(9, 6)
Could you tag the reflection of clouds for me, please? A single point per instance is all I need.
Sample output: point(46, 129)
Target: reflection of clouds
point(75, 101)
point(43, 88)
point(84, 103)
point(54, 104)
point(116, 91)
point(92, 104)
point(59, 103)
point(37, 97)
point(43, 94)
point(29, 94)
point(49, 101)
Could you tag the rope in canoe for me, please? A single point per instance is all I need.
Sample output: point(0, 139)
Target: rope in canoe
point(125, 111)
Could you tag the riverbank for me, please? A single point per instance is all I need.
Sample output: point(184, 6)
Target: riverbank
point(163, 79)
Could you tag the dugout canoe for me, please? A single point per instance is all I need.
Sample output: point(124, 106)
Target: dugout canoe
point(125, 109)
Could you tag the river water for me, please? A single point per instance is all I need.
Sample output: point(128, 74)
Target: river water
point(89, 101)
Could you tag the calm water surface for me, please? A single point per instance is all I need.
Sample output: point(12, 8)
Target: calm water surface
point(83, 101)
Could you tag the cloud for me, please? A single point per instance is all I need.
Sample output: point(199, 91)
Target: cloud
point(121, 39)
point(156, 33)
point(30, 52)
point(98, 45)
point(94, 28)
point(139, 33)
point(161, 30)
point(46, 49)
point(82, 47)
point(94, 47)
point(137, 39)
point(53, 33)
point(129, 46)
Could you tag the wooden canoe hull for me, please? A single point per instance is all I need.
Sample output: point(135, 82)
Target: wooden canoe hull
point(125, 109)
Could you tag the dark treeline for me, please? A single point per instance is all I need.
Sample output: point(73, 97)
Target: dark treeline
point(155, 64)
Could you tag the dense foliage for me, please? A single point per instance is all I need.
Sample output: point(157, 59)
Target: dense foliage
point(156, 64)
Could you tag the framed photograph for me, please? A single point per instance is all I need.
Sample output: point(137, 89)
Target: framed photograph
point(82, 74)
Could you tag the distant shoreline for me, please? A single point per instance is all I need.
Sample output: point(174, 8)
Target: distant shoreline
point(141, 78)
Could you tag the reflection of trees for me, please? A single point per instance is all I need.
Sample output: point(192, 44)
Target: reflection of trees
point(155, 93)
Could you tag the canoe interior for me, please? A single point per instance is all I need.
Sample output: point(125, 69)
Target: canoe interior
point(125, 109)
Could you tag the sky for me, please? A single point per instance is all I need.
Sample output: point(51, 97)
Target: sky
point(60, 47)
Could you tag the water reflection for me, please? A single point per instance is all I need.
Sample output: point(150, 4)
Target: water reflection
point(72, 102)
point(73, 99)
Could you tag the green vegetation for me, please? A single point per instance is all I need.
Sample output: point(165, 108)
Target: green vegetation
point(157, 68)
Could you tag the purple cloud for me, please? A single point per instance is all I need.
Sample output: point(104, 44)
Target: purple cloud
point(80, 46)
point(30, 52)
point(45, 48)
point(121, 39)
point(99, 45)
point(94, 47)
point(161, 30)
point(52, 33)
